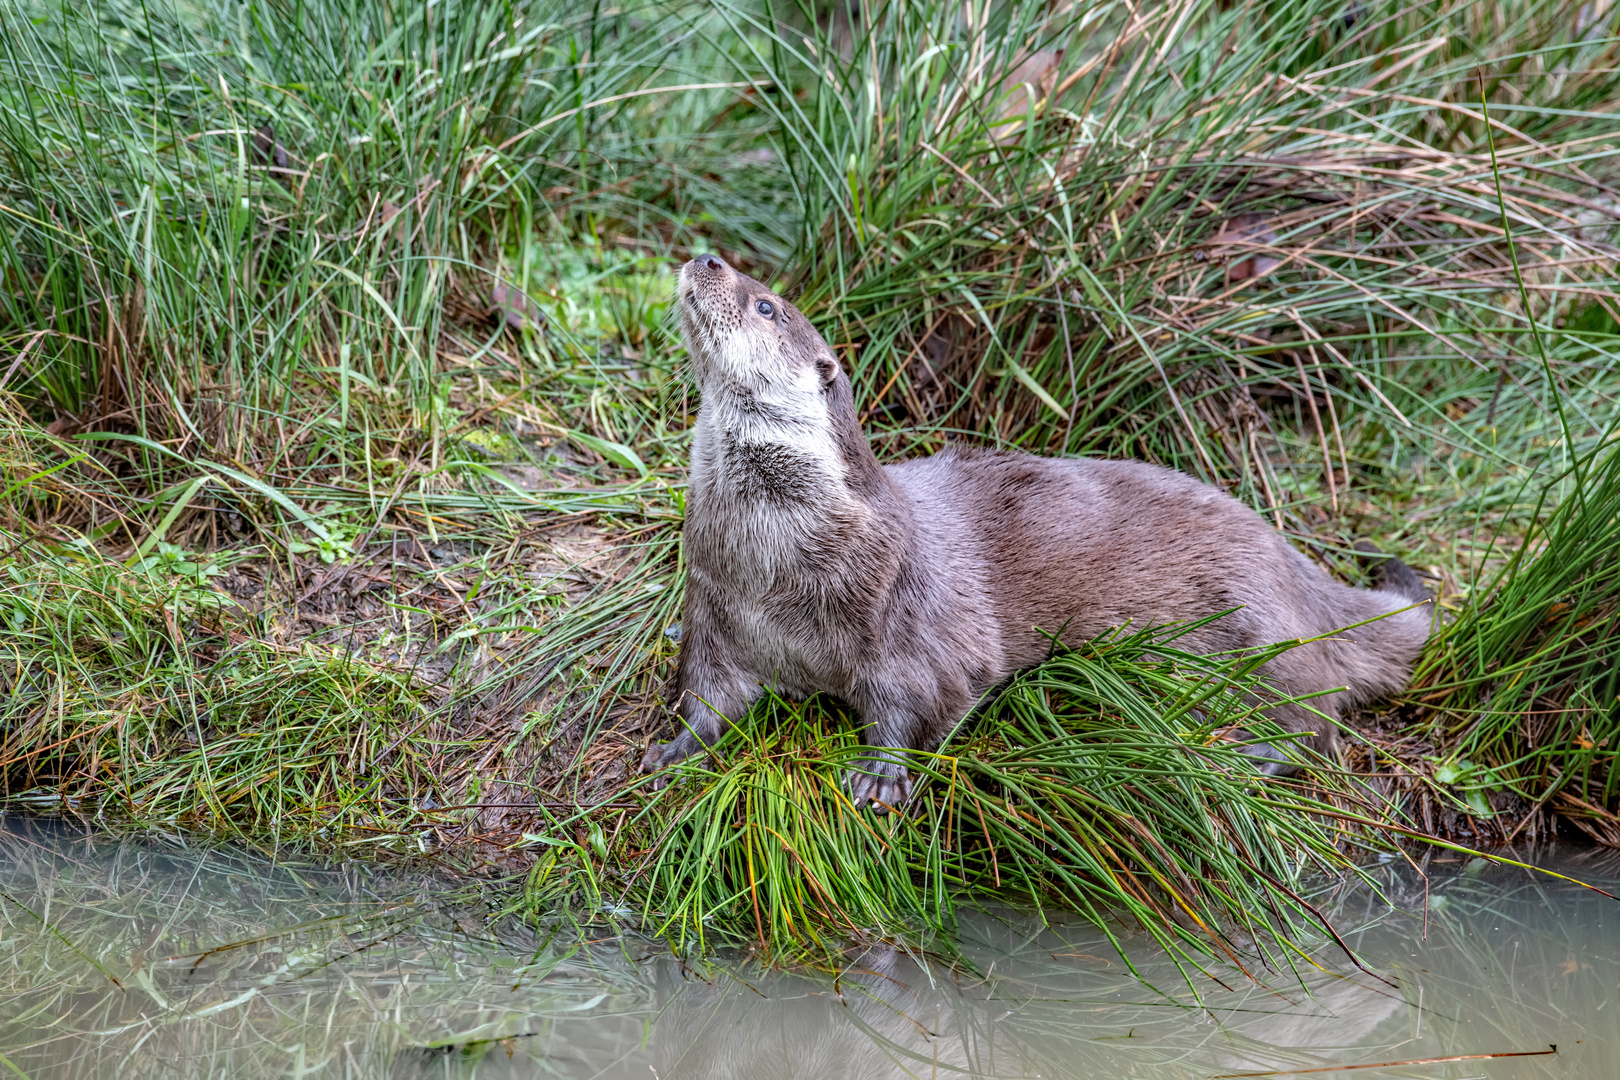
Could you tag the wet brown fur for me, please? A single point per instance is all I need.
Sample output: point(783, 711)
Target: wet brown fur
point(909, 590)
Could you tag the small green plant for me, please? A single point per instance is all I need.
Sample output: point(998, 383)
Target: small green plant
point(1473, 783)
point(337, 546)
point(172, 559)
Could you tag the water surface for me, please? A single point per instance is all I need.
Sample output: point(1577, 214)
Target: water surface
point(144, 957)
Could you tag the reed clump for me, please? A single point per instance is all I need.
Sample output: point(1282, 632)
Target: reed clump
point(1522, 691)
point(1105, 781)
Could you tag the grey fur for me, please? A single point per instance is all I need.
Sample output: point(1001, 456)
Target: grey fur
point(909, 590)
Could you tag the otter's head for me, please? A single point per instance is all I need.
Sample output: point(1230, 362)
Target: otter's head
point(772, 382)
point(743, 338)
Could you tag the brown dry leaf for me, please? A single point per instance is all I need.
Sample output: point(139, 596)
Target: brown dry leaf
point(1035, 72)
point(514, 306)
point(1242, 233)
point(267, 149)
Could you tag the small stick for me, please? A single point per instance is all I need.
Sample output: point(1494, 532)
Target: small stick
point(1333, 414)
point(1552, 1049)
point(1321, 432)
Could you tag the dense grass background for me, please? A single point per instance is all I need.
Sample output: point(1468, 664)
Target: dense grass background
point(344, 440)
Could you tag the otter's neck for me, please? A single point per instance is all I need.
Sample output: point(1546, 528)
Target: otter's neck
point(770, 445)
point(773, 483)
point(862, 472)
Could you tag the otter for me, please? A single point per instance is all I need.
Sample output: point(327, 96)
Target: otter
point(910, 590)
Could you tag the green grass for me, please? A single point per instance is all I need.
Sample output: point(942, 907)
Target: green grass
point(343, 465)
point(103, 693)
point(1101, 782)
point(1522, 691)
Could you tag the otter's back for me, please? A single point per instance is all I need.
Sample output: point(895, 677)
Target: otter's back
point(1086, 545)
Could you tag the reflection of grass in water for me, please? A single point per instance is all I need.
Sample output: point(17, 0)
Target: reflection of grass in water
point(1504, 960)
point(219, 959)
point(1522, 961)
point(361, 970)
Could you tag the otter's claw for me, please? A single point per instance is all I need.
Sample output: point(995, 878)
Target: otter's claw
point(883, 783)
point(677, 749)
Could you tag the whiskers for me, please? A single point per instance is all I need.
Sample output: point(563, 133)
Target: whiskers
point(670, 339)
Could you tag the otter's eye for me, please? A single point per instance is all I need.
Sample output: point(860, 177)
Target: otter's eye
point(766, 308)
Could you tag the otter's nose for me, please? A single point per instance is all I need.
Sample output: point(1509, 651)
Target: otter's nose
point(710, 263)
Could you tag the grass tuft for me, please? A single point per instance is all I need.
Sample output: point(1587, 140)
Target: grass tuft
point(1105, 781)
point(1523, 689)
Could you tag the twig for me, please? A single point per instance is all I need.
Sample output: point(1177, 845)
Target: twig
point(1552, 1049)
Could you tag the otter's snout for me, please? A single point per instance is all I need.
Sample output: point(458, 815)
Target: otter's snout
point(706, 288)
point(703, 275)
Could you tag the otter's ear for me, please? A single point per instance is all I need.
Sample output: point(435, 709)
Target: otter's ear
point(827, 369)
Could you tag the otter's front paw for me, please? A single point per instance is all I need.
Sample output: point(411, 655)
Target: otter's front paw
point(1269, 759)
point(882, 782)
point(679, 748)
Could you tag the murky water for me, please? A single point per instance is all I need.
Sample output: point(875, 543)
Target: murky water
point(142, 958)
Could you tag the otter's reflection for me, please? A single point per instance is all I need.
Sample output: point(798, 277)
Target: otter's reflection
point(891, 1016)
point(886, 1016)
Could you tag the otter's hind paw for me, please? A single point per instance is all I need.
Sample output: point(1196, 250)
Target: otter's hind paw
point(881, 782)
point(1393, 575)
